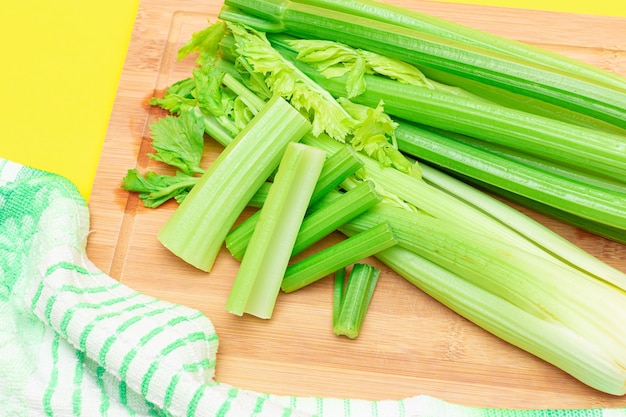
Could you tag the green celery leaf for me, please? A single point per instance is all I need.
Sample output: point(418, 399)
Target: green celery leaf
point(284, 79)
point(394, 69)
point(179, 97)
point(155, 189)
point(205, 43)
point(209, 91)
point(333, 59)
point(179, 141)
point(375, 135)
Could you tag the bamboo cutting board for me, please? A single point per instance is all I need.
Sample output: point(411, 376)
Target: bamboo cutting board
point(410, 344)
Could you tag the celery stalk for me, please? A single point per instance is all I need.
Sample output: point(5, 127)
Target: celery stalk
point(556, 86)
point(587, 201)
point(578, 146)
point(339, 255)
point(197, 228)
point(356, 300)
point(258, 280)
point(412, 19)
point(561, 346)
point(336, 169)
point(338, 293)
point(586, 307)
point(325, 218)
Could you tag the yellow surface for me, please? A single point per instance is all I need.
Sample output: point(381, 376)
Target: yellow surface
point(61, 62)
point(601, 7)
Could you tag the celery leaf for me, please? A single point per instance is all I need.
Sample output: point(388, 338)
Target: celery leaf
point(205, 43)
point(179, 141)
point(284, 79)
point(375, 135)
point(155, 189)
point(333, 59)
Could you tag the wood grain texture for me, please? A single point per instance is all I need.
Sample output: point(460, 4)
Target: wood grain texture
point(410, 344)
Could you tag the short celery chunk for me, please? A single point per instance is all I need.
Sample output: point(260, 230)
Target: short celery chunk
point(353, 299)
point(264, 262)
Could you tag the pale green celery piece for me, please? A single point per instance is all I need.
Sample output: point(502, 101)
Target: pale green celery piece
point(258, 280)
point(444, 197)
point(542, 236)
point(563, 347)
point(550, 291)
point(197, 228)
point(328, 260)
point(337, 168)
point(339, 285)
point(356, 300)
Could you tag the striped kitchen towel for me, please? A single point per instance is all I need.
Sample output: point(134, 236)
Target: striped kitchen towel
point(76, 342)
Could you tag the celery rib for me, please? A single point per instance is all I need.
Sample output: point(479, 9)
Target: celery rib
point(560, 346)
point(339, 165)
point(356, 300)
point(535, 80)
point(600, 205)
point(197, 228)
point(412, 19)
point(258, 279)
point(578, 146)
point(357, 247)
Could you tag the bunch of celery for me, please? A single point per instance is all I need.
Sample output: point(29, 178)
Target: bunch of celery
point(483, 259)
point(536, 127)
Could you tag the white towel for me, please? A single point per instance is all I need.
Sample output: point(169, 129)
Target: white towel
point(76, 342)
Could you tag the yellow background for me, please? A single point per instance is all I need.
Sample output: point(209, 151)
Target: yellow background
point(60, 65)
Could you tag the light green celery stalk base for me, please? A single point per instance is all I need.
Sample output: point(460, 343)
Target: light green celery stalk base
point(44, 224)
point(258, 280)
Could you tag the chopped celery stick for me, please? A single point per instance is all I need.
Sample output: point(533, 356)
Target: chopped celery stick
point(327, 216)
point(259, 277)
point(260, 196)
point(338, 293)
point(364, 244)
point(197, 228)
point(339, 166)
point(356, 300)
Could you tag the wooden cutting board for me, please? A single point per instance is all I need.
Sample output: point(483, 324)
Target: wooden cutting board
point(410, 344)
